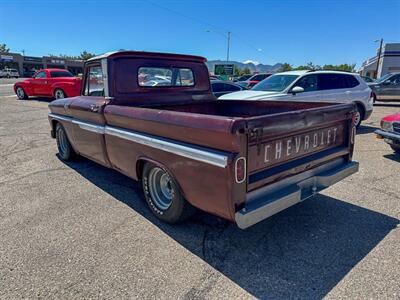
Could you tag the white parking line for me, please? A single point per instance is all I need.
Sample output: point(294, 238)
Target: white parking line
point(9, 96)
point(8, 84)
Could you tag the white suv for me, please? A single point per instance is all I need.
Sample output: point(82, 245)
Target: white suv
point(316, 86)
point(9, 73)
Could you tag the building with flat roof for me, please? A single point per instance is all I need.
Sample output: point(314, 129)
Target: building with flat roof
point(27, 65)
point(389, 61)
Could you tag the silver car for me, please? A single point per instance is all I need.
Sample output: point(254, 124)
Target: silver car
point(386, 88)
point(9, 73)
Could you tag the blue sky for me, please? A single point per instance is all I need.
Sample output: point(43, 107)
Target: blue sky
point(324, 32)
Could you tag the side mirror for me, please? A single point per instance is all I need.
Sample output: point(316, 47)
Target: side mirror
point(297, 89)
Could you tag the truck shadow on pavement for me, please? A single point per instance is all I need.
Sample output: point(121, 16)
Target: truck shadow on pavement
point(302, 252)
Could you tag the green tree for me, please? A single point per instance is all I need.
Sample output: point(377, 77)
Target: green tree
point(86, 55)
point(342, 67)
point(309, 66)
point(4, 49)
point(285, 67)
point(246, 71)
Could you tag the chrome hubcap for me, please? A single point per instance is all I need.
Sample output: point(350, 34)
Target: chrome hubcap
point(59, 94)
point(62, 142)
point(160, 188)
point(20, 93)
point(357, 118)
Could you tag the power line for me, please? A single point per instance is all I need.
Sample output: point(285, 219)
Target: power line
point(202, 22)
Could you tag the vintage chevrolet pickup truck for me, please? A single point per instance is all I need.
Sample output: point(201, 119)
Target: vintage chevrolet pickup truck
point(153, 117)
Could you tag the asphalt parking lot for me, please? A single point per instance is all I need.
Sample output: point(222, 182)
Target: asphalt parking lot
point(79, 230)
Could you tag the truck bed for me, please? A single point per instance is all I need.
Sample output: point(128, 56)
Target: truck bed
point(243, 108)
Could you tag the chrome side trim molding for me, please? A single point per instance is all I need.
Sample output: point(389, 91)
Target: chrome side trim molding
point(89, 126)
point(60, 117)
point(205, 156)
point(192, 153)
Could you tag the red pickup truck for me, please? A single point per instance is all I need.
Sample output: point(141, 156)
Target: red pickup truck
point(154, 118)
point(54, 83)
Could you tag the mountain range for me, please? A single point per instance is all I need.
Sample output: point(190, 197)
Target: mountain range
point(261, 68)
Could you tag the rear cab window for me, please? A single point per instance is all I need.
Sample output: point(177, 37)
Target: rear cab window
point(165, 77)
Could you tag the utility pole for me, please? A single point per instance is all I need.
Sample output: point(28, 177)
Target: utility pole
point(379, 58)
point(23, 52)
point(229, 42)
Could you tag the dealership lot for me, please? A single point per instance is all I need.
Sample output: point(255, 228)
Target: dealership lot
point(79, 230)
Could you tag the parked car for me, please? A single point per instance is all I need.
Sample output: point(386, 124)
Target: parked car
point(220, 87)
point(57, 83)
point(367, 79)
point(313, 86)
point(9, 73)
point(242, 78)
point(253, 80)
point(390, 131)
point(240, 160)
point(386, 88)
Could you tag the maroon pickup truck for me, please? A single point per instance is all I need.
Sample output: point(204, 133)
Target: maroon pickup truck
point(154, 118)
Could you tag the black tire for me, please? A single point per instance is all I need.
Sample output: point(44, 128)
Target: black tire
point(65, 149)
point(21, 93)
point(360, 112)
point(168, 206)
point(59, 94)
point(395, 149)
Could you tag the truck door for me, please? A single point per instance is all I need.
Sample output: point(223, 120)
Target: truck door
point(40, 83)
point(88, 119)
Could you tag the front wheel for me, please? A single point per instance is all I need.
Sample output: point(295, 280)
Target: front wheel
point(163, 195)
point(21, 93)
point(65, 149)
point(59, 94)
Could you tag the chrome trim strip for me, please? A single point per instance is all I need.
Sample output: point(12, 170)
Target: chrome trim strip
point(192, 153)
point(208, 157)
point(60, 117)
point(89, 126)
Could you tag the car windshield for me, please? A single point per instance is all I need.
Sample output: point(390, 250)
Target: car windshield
point(383, 78)
point(275, 83)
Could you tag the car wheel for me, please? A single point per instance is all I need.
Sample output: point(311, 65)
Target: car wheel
point(395, 148)
point(21, 93)
point(359, 116)
point(65, 149)
point(59, 94)
point(163, 195)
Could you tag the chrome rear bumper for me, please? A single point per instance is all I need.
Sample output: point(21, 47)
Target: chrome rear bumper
point(388, 135)
point(267, 201)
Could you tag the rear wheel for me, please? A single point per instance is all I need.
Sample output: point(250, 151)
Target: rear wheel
point(59, 94)
point(65, 149)
point(395, 148)
point(21, 93)
point(163, 195)
point(359, 116)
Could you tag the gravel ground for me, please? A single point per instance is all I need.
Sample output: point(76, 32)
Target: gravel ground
point(81, 231)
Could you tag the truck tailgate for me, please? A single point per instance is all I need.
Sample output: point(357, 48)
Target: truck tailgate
point(289, 143)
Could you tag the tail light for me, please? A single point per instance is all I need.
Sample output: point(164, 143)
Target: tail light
point(240, 169)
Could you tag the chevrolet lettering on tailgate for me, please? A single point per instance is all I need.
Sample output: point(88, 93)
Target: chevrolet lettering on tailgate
point(303, 144)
